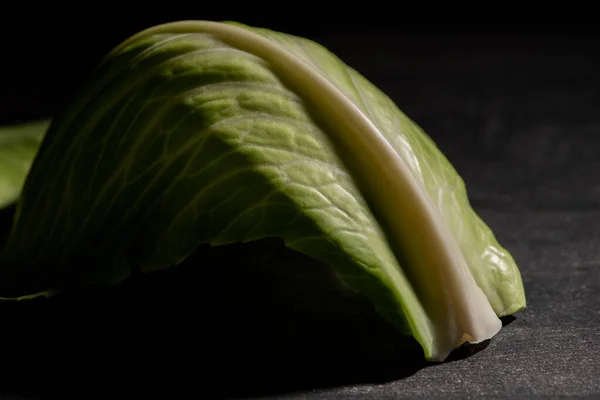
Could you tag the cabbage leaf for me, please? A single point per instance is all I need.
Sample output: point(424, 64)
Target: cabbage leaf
point(200, 132)
point(19, 144)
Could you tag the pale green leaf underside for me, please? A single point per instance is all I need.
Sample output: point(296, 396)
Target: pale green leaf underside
point(182, 139)
point(18, 146)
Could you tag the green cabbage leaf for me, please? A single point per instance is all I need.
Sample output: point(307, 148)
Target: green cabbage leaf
point(19, 144)
point(200, 132)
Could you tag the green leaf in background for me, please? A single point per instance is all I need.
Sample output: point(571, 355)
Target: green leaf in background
point(19, 144)
point(201, 132)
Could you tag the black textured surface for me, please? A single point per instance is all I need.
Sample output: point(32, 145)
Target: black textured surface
point(519, 120)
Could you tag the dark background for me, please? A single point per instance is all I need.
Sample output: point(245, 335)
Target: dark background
point(511, 96)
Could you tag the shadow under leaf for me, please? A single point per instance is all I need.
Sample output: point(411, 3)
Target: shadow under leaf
point(232, 321)
point(6, 218)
